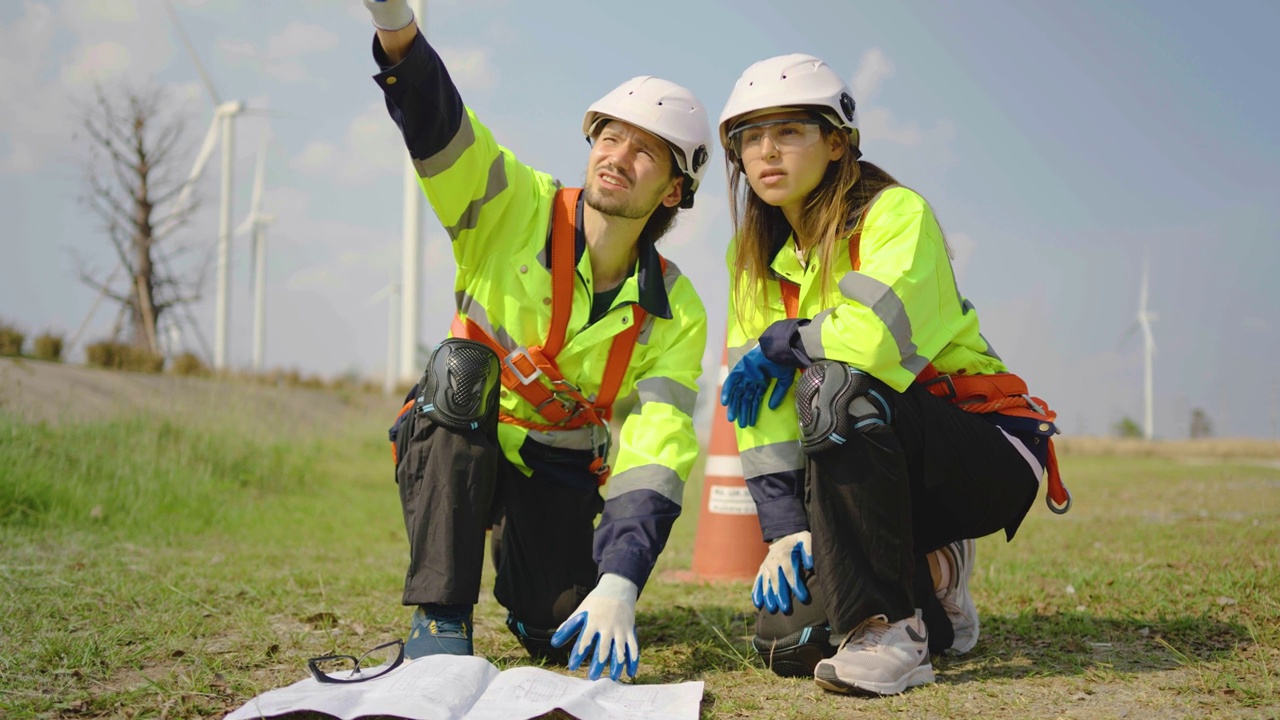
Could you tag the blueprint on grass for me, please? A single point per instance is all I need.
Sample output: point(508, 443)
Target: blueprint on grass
point(451, 687)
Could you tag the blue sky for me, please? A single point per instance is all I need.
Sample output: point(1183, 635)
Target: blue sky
point(1057, 143)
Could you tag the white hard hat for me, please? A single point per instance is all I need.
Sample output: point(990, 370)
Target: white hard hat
point(790, 81)
point(667, 110)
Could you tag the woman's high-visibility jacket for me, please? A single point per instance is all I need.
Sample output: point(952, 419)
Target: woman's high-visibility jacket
point(497, 212)
point(899, 311)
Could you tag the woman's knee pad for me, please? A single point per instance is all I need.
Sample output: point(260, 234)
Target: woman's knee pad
point(833, 401)
point(460, 389)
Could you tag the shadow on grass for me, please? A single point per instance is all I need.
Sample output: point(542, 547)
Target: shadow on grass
point(686, 642)
point(1035, 645)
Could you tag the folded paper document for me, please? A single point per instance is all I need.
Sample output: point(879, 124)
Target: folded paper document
point(453, 687)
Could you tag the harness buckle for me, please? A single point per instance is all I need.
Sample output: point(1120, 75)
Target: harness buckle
point(510, 364)
point(950, 388)
point(601, 451)
point(570, 406)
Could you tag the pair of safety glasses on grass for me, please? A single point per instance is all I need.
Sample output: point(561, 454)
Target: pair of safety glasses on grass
point(747, 141)
point(351, 669)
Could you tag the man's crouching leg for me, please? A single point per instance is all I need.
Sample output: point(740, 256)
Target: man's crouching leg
point(791, 644)
point(536, 639)
point(446, 467)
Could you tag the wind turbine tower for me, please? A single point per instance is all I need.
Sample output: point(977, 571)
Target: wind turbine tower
point(411, 251)
point(256, 224)
point(221, 131)
point(1144, 319)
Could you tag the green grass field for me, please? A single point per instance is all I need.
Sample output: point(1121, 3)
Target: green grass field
point(157, 568)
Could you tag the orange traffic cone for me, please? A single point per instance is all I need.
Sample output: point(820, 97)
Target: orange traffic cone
point(728, 545)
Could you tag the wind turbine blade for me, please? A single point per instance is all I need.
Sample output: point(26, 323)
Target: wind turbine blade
point(253, 253)
point(384, 292)
point(202, 159)
point(186, 42)
point(1128, 333)
point(255, 204)
point(1142, 297)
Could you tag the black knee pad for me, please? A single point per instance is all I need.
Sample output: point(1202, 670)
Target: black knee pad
point(537, 642)
point(791, 644)
point(460, 388)
point(834, 401)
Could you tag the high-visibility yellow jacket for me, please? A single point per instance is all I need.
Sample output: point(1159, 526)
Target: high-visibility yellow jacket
point(497, 211)
point(899, 311)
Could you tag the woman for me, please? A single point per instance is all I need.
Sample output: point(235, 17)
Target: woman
point(869, 485)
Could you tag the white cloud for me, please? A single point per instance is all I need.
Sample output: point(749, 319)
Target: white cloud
point(873, 67)
point(372, 148)
point(285, 54)
point(880, 123)
point(877, 123)
point(21, 159)
point(962, 246)
point(111, 10)
point(316, 157)
point(96, 63)
point(237, 49)
point(300, 39)
point(30, 103)
point(44, 79)
point(470, 67)
point(314, 278)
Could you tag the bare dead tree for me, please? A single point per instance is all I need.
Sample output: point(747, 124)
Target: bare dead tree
point(134, 175)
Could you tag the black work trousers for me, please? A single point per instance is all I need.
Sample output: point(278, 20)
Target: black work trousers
point(453, 487)
point(883, 500)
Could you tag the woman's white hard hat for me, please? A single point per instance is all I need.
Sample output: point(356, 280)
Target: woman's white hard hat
point(788, 82)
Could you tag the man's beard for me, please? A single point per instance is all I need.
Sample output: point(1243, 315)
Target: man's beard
point(633, 209)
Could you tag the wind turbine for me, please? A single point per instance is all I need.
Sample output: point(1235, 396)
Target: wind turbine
point(256, 224)
point(221, 132)
point(411, 251)
point(391, 292)
point(1143, 320)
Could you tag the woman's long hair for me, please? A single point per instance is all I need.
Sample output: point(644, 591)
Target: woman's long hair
point(833, 210)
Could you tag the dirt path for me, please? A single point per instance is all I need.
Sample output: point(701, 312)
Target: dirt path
point(35, 391)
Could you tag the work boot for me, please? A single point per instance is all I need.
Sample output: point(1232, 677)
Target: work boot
point(879, 657)
point(538, 642)
point(440, 630)
point(954, 594)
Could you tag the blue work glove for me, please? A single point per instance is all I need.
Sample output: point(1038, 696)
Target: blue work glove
point(746, 383)
point(779, 575)
point(607, 619)
point(390, 14)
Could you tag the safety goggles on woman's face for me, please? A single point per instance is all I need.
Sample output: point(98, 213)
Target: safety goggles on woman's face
point(747, 141)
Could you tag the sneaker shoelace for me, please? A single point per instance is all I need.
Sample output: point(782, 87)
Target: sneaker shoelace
point(455, 625)
point(867, 635)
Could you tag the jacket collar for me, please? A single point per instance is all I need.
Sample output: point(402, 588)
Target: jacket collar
point(650, 285)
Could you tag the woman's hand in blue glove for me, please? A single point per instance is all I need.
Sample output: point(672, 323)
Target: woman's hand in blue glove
point(744, 387)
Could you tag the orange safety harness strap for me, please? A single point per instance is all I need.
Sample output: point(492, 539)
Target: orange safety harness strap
point(1006, 394)
point(558, 401)
point(791, 291)
point(1003, 393)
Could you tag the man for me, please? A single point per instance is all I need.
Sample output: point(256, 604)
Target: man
point(564, 302)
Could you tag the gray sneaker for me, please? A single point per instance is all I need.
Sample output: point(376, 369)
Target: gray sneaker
point(879, 657)
point(955, 597)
